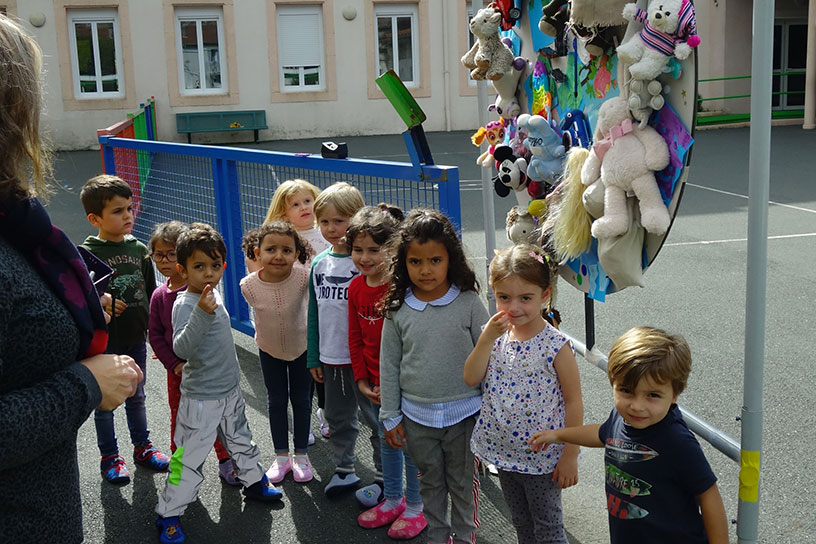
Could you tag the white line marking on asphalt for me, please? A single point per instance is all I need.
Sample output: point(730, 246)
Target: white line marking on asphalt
point(708, 242)
point(745, 197)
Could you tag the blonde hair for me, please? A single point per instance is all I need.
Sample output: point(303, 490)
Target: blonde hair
point(21, 148)
point(282, 195)
point(571, 236)
point(646, 351)
point(345, 198)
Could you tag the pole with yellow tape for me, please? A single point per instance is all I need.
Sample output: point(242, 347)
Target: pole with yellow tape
point(759, 169)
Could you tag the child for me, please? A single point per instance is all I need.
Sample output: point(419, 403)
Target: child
point(328, 353)
point(160, 330)
point(277, 293)
point(659, 486)
point(530, 382)
point(293, 201)
point(108, 202)
point(368, 230)
point(211, 400)
point(433, 319)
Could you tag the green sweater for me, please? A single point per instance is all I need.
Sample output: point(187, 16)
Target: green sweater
point(133, 282)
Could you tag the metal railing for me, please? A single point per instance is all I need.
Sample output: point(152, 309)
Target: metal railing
point(231, 188)
point(720, 118)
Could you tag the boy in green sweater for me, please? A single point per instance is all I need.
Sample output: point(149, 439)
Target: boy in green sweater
point(108, 202)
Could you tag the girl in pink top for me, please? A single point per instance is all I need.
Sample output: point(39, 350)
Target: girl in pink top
point(277, 293)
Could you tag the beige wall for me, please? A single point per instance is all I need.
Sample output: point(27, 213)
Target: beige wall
point(150, 70)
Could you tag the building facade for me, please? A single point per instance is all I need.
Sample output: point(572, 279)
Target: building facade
point(310, 64)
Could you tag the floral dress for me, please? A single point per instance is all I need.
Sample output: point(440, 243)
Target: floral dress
point(521, 395)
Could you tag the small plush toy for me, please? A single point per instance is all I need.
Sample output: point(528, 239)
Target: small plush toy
point(489, 58)
point(521, 227)
point(546, 148)
point(598, 22)
point(625, 158)
point(577, 126)
point(669, 29)
point(506, 104)
point(494, 133)
point(644, 97)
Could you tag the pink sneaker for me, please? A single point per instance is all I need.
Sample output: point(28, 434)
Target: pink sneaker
point(278, 470)
point(377, 517)
point(407, 528)
point(302, 469)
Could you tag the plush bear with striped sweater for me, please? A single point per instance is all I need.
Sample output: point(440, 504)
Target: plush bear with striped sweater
point(669, 29)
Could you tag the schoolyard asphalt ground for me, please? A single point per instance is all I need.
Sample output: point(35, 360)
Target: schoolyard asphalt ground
point(695, 287)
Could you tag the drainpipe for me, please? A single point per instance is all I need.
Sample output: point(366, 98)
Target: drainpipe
point(446, 63)
point(810, 70)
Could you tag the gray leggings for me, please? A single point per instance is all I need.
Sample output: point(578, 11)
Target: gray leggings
point(535, 505)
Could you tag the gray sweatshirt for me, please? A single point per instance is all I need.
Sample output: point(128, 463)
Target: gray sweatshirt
point(422, 354)
point(205, 342)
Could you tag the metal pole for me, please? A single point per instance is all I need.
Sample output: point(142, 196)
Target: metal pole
point(759, 168)
point(589, 321)
point(810, 69)
point(487, 185)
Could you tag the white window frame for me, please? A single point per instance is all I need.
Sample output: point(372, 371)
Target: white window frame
point(94, 17)
point(394, 11)
point(287, 11)
point(198, 15)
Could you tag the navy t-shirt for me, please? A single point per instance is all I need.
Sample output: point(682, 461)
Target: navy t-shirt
point(653, 477)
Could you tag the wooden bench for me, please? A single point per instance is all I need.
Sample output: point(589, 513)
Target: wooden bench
point(220, 121)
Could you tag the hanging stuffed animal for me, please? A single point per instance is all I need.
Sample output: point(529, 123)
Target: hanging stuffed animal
point(669, 29)
point(577, 126)
point(625, 158)
point(546, 148)
point(571, 234)
point(644, 98)
point(494, 133)
point(489, 58)
point(506, 104)
point(597, 22)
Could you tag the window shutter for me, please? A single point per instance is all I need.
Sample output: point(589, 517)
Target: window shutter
point(299, 36)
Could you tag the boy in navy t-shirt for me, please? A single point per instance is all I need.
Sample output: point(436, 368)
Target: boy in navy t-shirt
point(659, 485)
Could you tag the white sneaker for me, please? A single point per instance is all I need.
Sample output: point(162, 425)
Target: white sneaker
point(311, 440)
point(324, 425)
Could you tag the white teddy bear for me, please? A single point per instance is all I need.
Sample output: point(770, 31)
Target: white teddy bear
point(669, 29)
point(625, 158)
point(489, 58)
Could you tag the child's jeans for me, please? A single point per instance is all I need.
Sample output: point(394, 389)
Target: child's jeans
point(287, 381)
point(392, 463)
point(134, 409)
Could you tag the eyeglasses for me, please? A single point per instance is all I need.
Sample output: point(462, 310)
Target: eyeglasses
point(158, 256)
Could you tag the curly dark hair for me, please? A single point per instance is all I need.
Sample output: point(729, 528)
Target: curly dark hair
point(249, 242)
point(200, 236)
point(422, 225)
point(378, 221)
point(284, 228)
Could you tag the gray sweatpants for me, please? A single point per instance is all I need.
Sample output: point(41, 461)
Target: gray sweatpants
point(197, 424)
point(447, 468)
point(343, 398)
point(535, 506)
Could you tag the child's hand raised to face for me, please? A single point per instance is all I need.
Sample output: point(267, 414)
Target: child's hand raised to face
point(207, 299)
point(497, 325)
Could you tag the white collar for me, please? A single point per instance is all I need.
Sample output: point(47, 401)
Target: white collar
point(419, 305)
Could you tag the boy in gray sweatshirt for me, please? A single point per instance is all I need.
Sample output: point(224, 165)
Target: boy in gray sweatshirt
point(211, 400)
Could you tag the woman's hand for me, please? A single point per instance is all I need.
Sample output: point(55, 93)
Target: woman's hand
point(118, 377)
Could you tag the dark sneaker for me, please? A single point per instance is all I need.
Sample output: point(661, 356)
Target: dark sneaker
point(170, 528)
point(262, 490)
point(148, 456)
point(341, 482)
point(114, 470)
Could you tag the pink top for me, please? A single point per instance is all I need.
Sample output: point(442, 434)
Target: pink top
point(280, 313)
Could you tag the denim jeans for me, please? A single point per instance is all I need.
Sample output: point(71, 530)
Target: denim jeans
point(287, 381)
point(392, 463)
point(134, 409)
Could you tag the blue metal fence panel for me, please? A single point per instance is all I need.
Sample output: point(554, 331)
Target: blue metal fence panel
point(231, 188)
